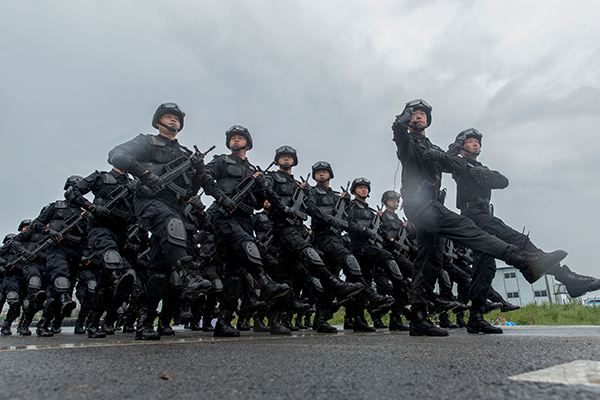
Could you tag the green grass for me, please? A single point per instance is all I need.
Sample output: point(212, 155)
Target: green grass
point(532, 314)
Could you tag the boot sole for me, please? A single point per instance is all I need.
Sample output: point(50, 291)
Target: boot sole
point(476, 331)
point(349, 296)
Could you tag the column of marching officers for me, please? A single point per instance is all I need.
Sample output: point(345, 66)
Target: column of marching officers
point(146, 242)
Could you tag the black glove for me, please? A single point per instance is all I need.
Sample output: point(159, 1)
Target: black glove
point(480, 171)
point(434, 154)
point(151, 183)
point(28, 255)
point(371, 234)
point(55, 236)
point(196, 202)
point(454, 148)
point(261, 181)
point(404, 118)
point(99, 211)
point(227, 204)
point(337, 223)
point(198, 163)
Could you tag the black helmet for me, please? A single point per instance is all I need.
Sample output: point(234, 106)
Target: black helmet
point(167, 108)
point(238, 130)
point(72, 180)
point(469, 133)
point(422, 105)
point(320, 165)
point(285, 149)
point(24, 223)
point(389, 195)
point(360, 181)
point(8, 237)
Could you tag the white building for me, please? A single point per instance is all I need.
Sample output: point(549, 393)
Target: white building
point(511, 284)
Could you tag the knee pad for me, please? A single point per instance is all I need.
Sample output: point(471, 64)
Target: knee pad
point(91, 286)
point(353, 265)
point(175, 281)
point(156, 286)
point(176, 232)
point(310, 255)
point(112, 259)
point(394, 270)
point(62, 284)
point(12, 298)
point(35, 283)
point(252, 252)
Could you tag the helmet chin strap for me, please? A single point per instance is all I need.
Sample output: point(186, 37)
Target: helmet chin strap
point(169, 128)
point(416, 128)
point(237, 148)
point(322, 180)
point(473, 153)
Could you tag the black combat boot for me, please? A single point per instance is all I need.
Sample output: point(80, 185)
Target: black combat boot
point(460, 319)
point(348, 322)
point(506, 306)
point(94, 331)
point(57, 324)
point(145, 326)
point(361, 324)
point(270, 290)
point(259, 323)
point(164, 327)
point(344, 291)
point(243, 324)
point(276, 327)
point(307, 318)
point(477, 324)
point(26, 318)
point(376, 301)
point(223, 327)
point(445, 321)
point(577, 285)
point(122, 281)
point(396, 323)
point(287, 322)
point(533, 264)
point(489, 306)
point(207, 324)
point(43, 330)
point(321, 322)
point(67, 305)
point(420, 325)
point(11, 315)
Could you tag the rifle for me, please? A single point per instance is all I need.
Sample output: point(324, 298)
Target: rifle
point(298, 201)
point(71, 223)
point(243, 189)
point(173, 173)
point(338, 212)
point(376, 223)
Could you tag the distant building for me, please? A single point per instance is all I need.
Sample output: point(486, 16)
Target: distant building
point(511, 284)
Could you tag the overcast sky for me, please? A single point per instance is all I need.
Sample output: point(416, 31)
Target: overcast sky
point(79, 77)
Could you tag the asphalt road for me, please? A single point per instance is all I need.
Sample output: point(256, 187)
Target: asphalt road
point(346, 365)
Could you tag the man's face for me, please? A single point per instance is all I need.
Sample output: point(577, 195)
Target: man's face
point(362, 190)
point(285, 160)
point(418, 119)
point(392, 203)
point(237, 141)
point(171, 120)
point(321, 175)
point(472, 145)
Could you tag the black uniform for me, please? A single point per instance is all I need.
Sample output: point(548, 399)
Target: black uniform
point(162, 214)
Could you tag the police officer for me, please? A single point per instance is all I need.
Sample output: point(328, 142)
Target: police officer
point(159, 206)
point(112, 213)
point(328, 222)
point(240, 189)
point(475, 183)
point(422, 167)
point(13, 285)
point(290, 207)
point(64, 256)
point(397, 236)
point(34, 273)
